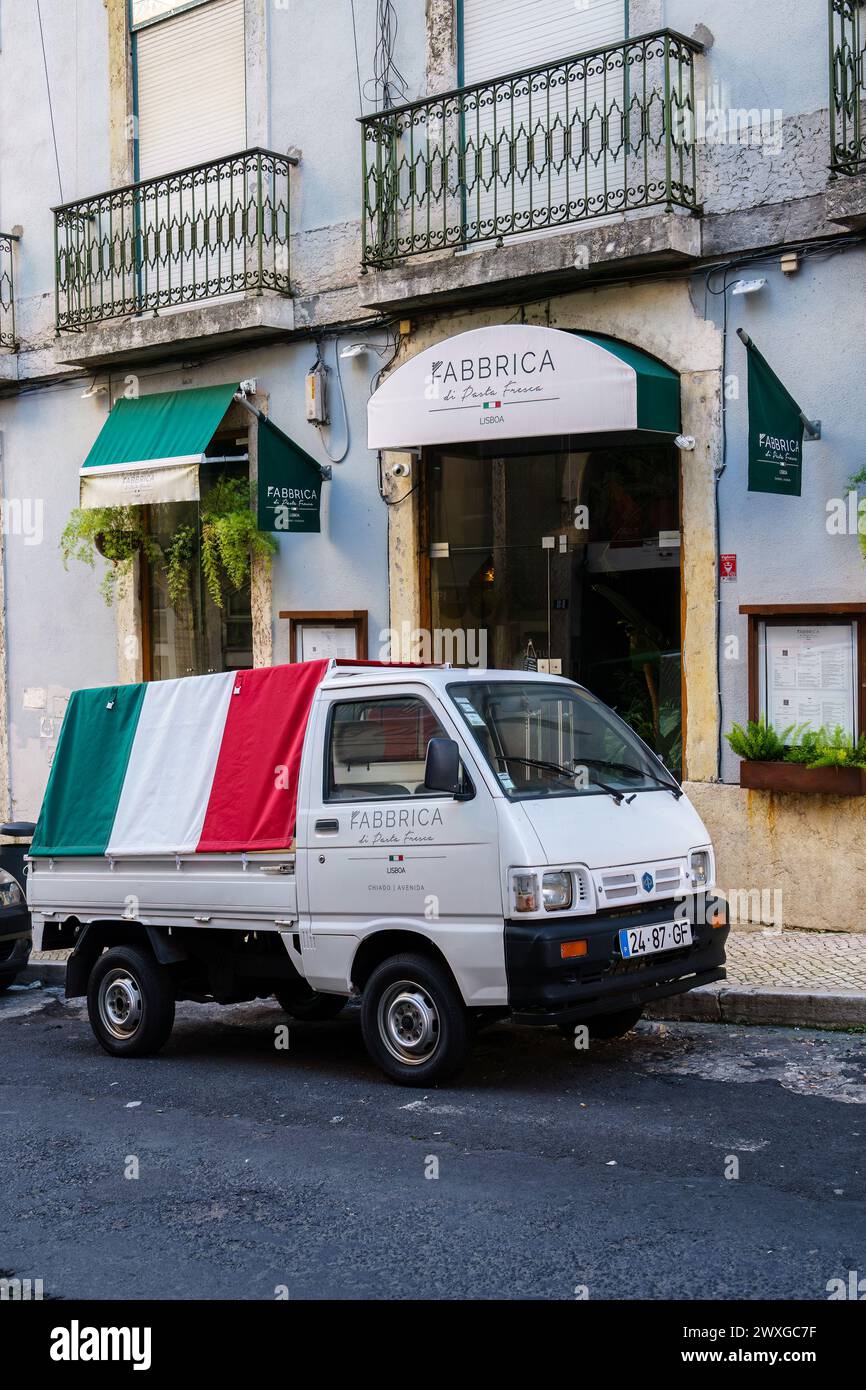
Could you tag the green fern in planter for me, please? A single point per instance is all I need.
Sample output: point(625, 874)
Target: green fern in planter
point(759, 742)
point(805, 747)
point(836, 749)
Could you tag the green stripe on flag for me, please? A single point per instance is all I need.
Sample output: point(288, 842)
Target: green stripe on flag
point(87, 774)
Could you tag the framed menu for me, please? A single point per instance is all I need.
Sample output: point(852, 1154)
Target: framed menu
point(808, 675)
point(313, 636)
point(806, 666)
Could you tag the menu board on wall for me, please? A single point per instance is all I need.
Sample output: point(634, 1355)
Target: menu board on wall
point(808, 675)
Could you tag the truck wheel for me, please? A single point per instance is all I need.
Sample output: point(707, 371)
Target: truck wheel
point(130, 1002)
point(415, 1025)
point(310, 1007)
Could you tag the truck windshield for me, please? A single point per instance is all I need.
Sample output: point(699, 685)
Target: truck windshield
point(556, 740)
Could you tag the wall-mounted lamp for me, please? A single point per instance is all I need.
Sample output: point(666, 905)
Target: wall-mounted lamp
point(748, 286)
point(95, 390)
point(353, 350)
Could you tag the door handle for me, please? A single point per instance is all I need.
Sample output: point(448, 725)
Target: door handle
point(277, 868)
point(327, 827)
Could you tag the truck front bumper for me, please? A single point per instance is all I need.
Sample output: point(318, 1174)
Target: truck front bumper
point(543, 988)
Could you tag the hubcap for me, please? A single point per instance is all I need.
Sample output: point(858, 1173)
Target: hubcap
point(409, 1022)
point(120, 1006)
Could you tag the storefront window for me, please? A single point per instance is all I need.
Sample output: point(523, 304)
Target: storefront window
point(193, 635)
point(568, 556)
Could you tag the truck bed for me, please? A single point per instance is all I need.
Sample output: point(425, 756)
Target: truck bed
point(247, 891)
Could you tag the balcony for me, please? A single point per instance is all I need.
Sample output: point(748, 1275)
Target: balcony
point(847, 87)
point(607, 132)
point(212, 241)
point(7, 292)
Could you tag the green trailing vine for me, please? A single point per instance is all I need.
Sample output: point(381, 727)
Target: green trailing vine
point(179, 557)
point(230, 538)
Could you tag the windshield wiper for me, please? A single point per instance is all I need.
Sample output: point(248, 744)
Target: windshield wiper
point(568, 772)
point(668, 784)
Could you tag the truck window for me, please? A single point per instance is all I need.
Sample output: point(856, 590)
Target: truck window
point(377, 748)
point(544, 740)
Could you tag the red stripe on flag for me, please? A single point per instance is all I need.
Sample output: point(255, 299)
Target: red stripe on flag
point(254, 797)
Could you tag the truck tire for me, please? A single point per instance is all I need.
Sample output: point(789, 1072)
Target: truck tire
point(130, 1002)
point(605, 1027)
point(310, 1007)
point(415, 1024)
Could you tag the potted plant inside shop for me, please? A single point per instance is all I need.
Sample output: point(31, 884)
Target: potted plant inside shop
point(799, 759)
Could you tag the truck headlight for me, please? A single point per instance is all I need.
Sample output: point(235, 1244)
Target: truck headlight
point(699, 862)
point(10, 891)
point(524, 892)
point(556, 891)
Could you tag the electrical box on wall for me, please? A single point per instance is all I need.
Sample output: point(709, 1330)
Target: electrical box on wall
point(315, 395)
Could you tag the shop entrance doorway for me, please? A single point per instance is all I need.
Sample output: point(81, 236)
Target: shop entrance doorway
point(564, 551)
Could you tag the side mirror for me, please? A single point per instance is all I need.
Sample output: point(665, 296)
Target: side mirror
point(442, 768)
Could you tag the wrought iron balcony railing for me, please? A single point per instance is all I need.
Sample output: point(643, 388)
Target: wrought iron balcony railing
point(217, 229)
point(603, 132)
point(847, 86)
point(7, 292)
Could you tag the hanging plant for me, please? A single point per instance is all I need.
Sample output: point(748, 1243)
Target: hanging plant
point(230, 537)
point(180, 555)
point(117, 534)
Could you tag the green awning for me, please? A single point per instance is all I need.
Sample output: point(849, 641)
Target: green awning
point(150, 449)
point(657, 387)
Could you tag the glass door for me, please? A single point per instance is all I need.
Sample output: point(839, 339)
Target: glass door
point(567, 558)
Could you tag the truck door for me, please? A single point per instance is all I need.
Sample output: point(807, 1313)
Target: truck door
point(382, 853)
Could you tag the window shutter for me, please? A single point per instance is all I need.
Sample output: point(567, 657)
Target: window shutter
point(501, 36)
point(190, 72)
point(521, 187)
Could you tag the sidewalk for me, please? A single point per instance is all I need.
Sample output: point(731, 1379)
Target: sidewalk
point(787, 977)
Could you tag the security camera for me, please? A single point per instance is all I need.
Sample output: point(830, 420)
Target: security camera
point(685, 441)
point(400, 470)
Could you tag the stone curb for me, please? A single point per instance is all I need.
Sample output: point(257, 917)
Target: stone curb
point(779, 1006)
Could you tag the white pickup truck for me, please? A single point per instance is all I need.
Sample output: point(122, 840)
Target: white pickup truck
point(449, 846)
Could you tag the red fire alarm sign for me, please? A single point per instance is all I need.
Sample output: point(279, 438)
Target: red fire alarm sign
point(727, 566)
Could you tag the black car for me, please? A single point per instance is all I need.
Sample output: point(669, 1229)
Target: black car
point(15, 932)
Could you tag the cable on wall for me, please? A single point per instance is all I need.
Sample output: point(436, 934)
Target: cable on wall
point(388, 83)
point(50, 104)
point(357, 59)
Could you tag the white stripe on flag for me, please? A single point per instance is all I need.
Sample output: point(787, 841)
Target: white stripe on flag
point(171, 766)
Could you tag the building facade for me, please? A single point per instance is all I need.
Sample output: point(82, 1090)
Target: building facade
point(517, 245)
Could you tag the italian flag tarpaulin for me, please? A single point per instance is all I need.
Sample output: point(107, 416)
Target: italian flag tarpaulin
point(205, 763)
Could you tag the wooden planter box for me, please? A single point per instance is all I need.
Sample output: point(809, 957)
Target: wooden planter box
point(796, 777)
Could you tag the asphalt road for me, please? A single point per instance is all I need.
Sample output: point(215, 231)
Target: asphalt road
point(303, 1171)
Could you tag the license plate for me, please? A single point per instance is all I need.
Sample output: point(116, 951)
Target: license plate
point(646, 941)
